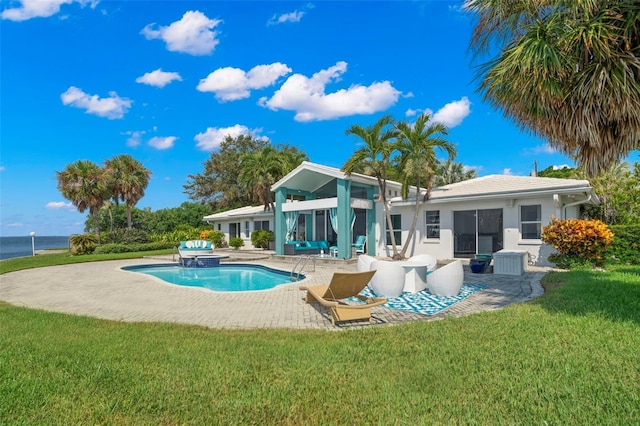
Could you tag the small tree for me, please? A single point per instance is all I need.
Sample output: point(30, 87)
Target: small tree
point(577, 241)
point(216, 237)
point(83, 243)
point(261, 238)
point(236, 243)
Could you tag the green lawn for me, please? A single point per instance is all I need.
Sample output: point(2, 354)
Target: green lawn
point(569, 357)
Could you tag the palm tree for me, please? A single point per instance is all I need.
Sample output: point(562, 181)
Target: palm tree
point(128, 179)
point(449, 172)
point(258, 171)
point(290, 157)
point(416, 144)
point(83, 183)
point(567, 71)
point(373, 158)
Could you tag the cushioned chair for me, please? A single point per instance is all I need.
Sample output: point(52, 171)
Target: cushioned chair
point(446, 280)
point(359, 244)
point(389, 280)
point(344, 285)
point(364, 262)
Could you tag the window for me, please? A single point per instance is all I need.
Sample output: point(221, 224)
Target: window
point(433, 224)
point(261, 224)
point(219, 227)
point(530, 222)
point(247, 230)
point(396, 221)
point(234, 230)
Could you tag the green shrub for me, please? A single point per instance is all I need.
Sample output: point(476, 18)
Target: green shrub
point(126, 236)
point(129, 248)
point(626, 245)
point(83, 243)
point(216, 237)
point(236, 243)
point(261, 238)
point(578, 239)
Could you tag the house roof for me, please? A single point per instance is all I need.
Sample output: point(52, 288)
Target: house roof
point(241, 212)
point(507, 186)
point(312, 177)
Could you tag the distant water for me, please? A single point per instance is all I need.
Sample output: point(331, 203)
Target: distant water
point(21, 246)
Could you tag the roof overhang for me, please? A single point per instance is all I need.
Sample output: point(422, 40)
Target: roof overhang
point(311, 177)
point(568, 191)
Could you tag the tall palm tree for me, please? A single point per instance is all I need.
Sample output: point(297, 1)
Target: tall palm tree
point(418, 162)
point(373, 158)
point(290, 157)
point(83, 183)
point(566, 70)
point(128, 179)
point(449, 172)
point(258, 171)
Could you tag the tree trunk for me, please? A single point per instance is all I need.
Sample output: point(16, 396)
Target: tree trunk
point(383, 195)
point(129, 221)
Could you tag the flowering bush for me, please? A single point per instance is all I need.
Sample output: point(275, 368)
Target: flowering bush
point(578, 239)
point(216, 237)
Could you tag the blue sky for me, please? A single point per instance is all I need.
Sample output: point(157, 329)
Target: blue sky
point(165, 81)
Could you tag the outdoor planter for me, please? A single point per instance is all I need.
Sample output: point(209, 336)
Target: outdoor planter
point(477, 265)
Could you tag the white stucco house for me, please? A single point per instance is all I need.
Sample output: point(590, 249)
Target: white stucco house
point(477, 216)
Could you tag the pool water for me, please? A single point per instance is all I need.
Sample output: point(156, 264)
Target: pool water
point(237, 277)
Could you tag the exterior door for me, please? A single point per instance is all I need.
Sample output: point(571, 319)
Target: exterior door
point(477, 232)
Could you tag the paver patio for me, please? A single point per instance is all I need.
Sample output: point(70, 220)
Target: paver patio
point(102, 290)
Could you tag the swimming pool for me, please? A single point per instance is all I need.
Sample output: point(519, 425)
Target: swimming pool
point(236, 277)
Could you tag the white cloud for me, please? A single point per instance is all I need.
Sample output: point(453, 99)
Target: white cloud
point(214, 136)
point(453, 113)
point(59, 205)
point(111, 107)
point(507, 171)
point(294, 16)
point(411, 112)
point(39, 8)
point(135, 137)
point(158, 78)
point(162, 142)
point(193, 34)
point(306, 96)
point(544, 149)
point(230, 84)
point(2, 169)
point(562, 166)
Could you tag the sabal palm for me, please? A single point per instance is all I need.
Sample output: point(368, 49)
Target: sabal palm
point(449, 172)
point(373, 158)
point(258, 171)
point(567, 71)
point(417, 145)
point(83, 183)
point(128, 179)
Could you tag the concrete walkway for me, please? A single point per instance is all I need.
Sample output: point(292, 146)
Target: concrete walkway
point(103, 290)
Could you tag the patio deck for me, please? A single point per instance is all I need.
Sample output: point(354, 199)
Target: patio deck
point(104, 291)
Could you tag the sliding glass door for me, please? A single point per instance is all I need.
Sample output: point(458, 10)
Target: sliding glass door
point(477, 232)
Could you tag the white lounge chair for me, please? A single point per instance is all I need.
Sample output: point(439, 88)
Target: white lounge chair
point(446, 280)
point(389, 280)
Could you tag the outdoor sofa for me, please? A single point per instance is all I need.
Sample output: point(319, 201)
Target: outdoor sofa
point(294, 248)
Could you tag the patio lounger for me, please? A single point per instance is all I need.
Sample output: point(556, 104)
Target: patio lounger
point(344, 285)
point(359, 244)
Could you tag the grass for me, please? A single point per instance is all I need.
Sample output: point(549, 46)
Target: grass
point(569, 357)
point(53, 259)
